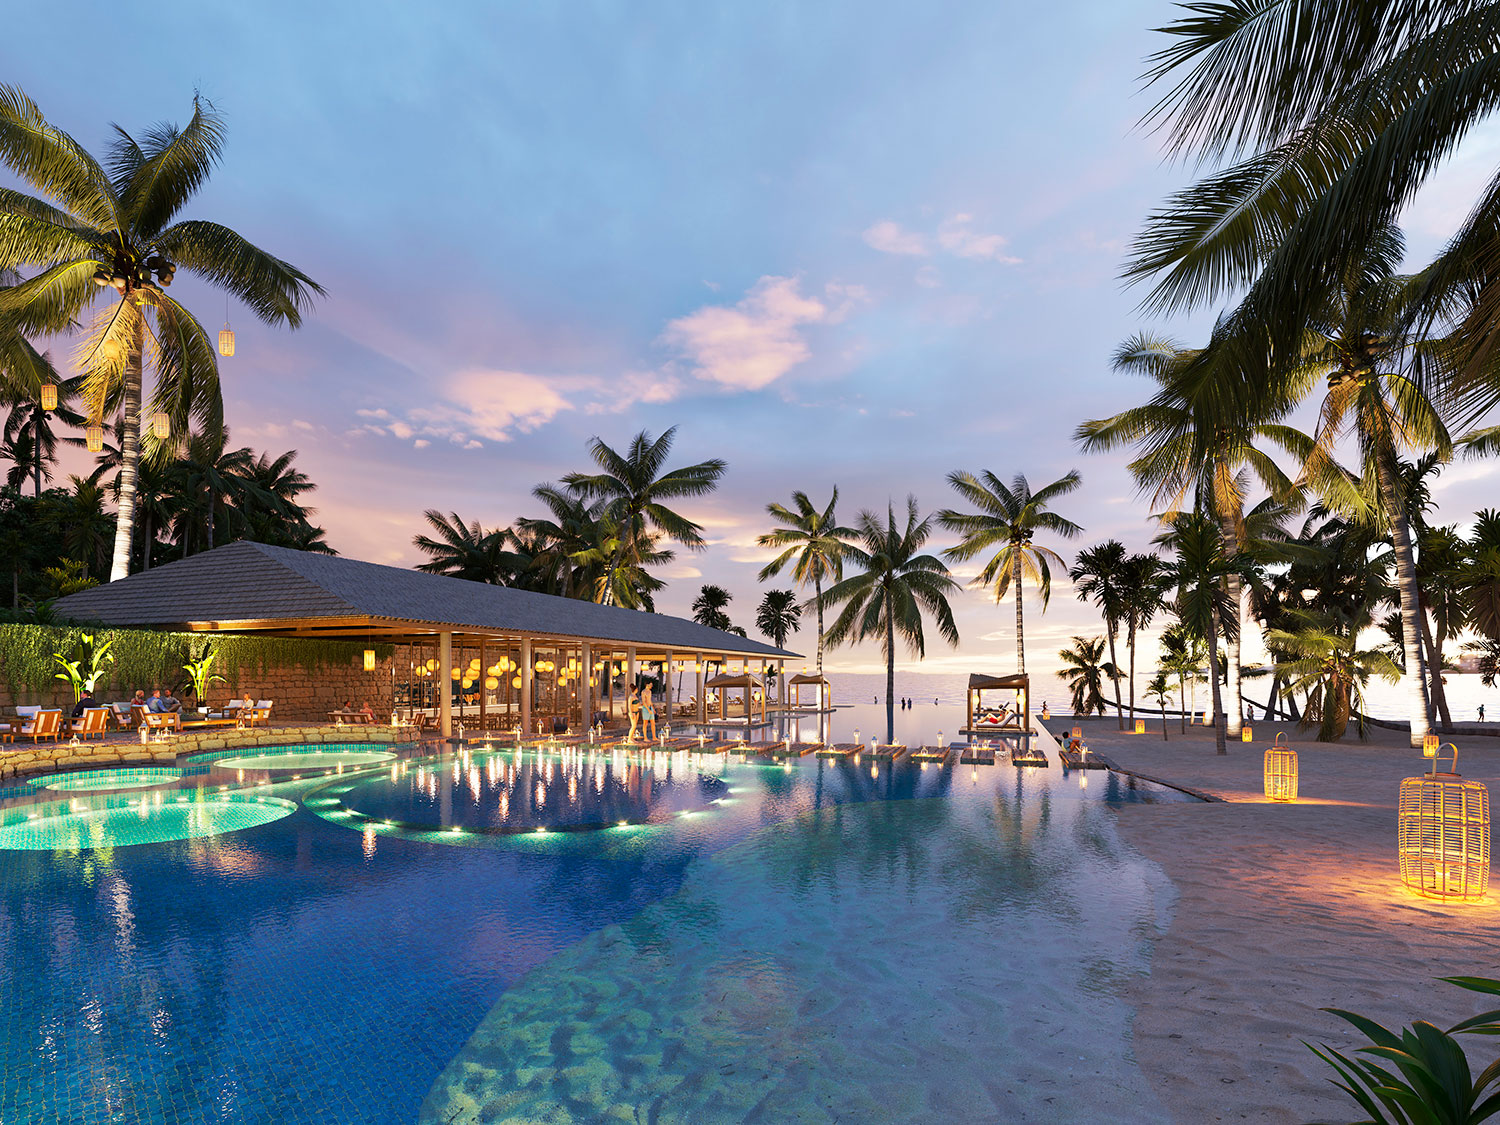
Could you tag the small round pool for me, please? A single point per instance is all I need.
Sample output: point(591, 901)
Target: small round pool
point(96, 780)
point(304, 758)
point(120, 822)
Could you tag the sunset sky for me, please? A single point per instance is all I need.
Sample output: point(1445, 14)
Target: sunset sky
point(860, 244)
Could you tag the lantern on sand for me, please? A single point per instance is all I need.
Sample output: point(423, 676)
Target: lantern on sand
point(1443, 834)
point(1281, 771)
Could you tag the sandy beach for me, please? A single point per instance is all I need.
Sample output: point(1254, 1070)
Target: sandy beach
point(1286, 909)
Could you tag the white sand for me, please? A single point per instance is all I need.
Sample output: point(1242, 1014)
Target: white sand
point(1286, 909)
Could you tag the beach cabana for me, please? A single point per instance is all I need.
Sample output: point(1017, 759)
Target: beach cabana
point(726, 682)
point(1011, 718)
point(804, 679)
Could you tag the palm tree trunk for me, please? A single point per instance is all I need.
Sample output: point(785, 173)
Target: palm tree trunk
point(1234, 715)
point(1020, 624)
point(1130, 643)
point(130, 457)
point(148, 536)
point(1273, 709)
point(1406, 585)
point(36, 454)
point(1435, 677)
point(890, 671)
point(1182, 697)
point(1213, 675)
point(818, 597)
point(1163, 701)
point(1110, 631)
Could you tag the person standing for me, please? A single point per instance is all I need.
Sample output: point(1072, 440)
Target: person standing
point(648, 713)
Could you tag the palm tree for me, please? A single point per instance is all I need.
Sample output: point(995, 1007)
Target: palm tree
point(1321, 658)
point(1199, 439)
point(814, 541)
point(1182, 655)
point(1008, 519)
point(711, 607)
point(1336, 113)
point(1199, 573)
point(1145, 583)
point(895, 585)
point(214, 490)
point(1096, 574)
point(1384, 409)
point(634, 487)
point(1084, 671)
point(463, 550)
point(112, 230)
point(778, 615)
point(29, 437)
point(86, 526)
point(1160, 689)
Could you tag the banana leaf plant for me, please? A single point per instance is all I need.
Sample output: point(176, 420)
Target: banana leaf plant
point(202, 676)
point(88, 665)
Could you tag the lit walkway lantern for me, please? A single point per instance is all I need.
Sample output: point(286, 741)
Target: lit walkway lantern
point(1245, 735)
point(1444, 833)
point(1281, 771)
point(1140, 726)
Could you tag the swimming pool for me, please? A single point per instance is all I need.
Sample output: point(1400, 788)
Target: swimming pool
point(798, 942)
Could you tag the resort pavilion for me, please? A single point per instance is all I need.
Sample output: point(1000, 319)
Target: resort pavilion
point(513, 657)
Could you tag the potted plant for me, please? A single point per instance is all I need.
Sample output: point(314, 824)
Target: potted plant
point(202, 677)
point(86, 669)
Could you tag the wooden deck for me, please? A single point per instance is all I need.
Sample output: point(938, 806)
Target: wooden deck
point(977, 756)
point(839, 750)
point(1079, 760)
point(795, 749)
point(890, 751)
point(762, 749)
point(1028, 756)
point(926, 754)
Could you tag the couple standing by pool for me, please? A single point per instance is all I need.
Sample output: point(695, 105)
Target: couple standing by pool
point(642, 712)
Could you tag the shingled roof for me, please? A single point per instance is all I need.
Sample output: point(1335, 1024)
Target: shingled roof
point(255, 587)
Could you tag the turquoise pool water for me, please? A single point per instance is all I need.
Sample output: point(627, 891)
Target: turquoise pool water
point(307, 758)
point(761, 943)
point(94, 780)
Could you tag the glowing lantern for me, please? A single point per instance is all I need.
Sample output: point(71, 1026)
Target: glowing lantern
point(1281, 771)
point(515, 681)
point(1245, 733)
point(1077, 732)
point(49, 396)
point(1443, 834)
point(1140, 726)
point(161, 426)
point(456, 673)
point(1430, 746)
point(432, 665)
point(226, 340)
point(93, 438)
point(369, 660)
point(491, 683)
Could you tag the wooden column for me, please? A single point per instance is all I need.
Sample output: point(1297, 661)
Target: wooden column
point(526, 687)
point(702, 691)
point(445, 684)
point(585, 692)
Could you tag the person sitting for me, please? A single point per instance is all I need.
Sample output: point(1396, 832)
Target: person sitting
point(365, 713)
point(164, 704)
point(138, 699)
point(85, 701)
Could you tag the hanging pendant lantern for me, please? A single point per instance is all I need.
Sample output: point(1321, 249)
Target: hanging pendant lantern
point(226, 340)
point(49, 396)
point(369, 660)
point(1443, 834)
point(161, 425)
point(491, 683)
point(515, 681)
point(93, 438)
point(1281, 771)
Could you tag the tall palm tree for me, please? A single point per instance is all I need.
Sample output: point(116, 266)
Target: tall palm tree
point(778, 615)
point(214, 490)
point(1198, 572)
point(1182, 655)
point(1007, 520)
point(29, 435)
point(1160, 689)
point(1097, 575)
point(86, 526)
point(1370, 398)
point(559, 543)
point(1321, 658)
point(895, 585)
point(462, 550)
point(1199, 439)
point(108, 240)
point(711, 607)
point(1084, 671)
point(635, 487)
point(813, 541)
point(1146, 582)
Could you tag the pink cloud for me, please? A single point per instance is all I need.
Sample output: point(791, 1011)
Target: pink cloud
point(752, 344)
point(889, 237)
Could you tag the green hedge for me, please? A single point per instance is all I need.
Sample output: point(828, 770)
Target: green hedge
point(145, 659)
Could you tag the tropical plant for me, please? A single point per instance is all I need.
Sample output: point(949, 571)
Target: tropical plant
point(1084, 671)
point(813, 542)
point(896, 584)
point(635, 487)
point(28, 437)
point(1182, 655)
point(89, 662)
point(1321, 659)
point(1097, 575)
point(1198, 573)
point(1145, 583)
point(214, 490)
point(110, 227)
point(1480, 576)
point(1159, 688)
point(778, 615)
point(711, 607)
point(1007, 521)
point(201, 675)
point(1422, 1074)
point(463, 550)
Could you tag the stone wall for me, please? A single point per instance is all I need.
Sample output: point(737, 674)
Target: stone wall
point(25, 758)
point(299, 696)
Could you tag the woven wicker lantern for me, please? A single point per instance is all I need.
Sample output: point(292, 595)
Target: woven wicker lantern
point(93, 437)
point(161, 426)
point(1077, 732)
point(1281, 771)
point(1443, 834)
point(1429, 746)
point(49, 396)
point(1140, 726)
point(226, 340)
point(369, 660)
point(1245, 735)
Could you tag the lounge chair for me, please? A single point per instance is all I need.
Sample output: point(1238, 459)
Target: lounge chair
point(260, 713)
point(41, 724)
point(121, 714)
point(156, 720)
point(94, 722)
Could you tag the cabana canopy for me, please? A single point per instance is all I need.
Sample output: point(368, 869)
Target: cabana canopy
point(984, 683)
point(732, 680)
point(807, 678)
point(1015, 720)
